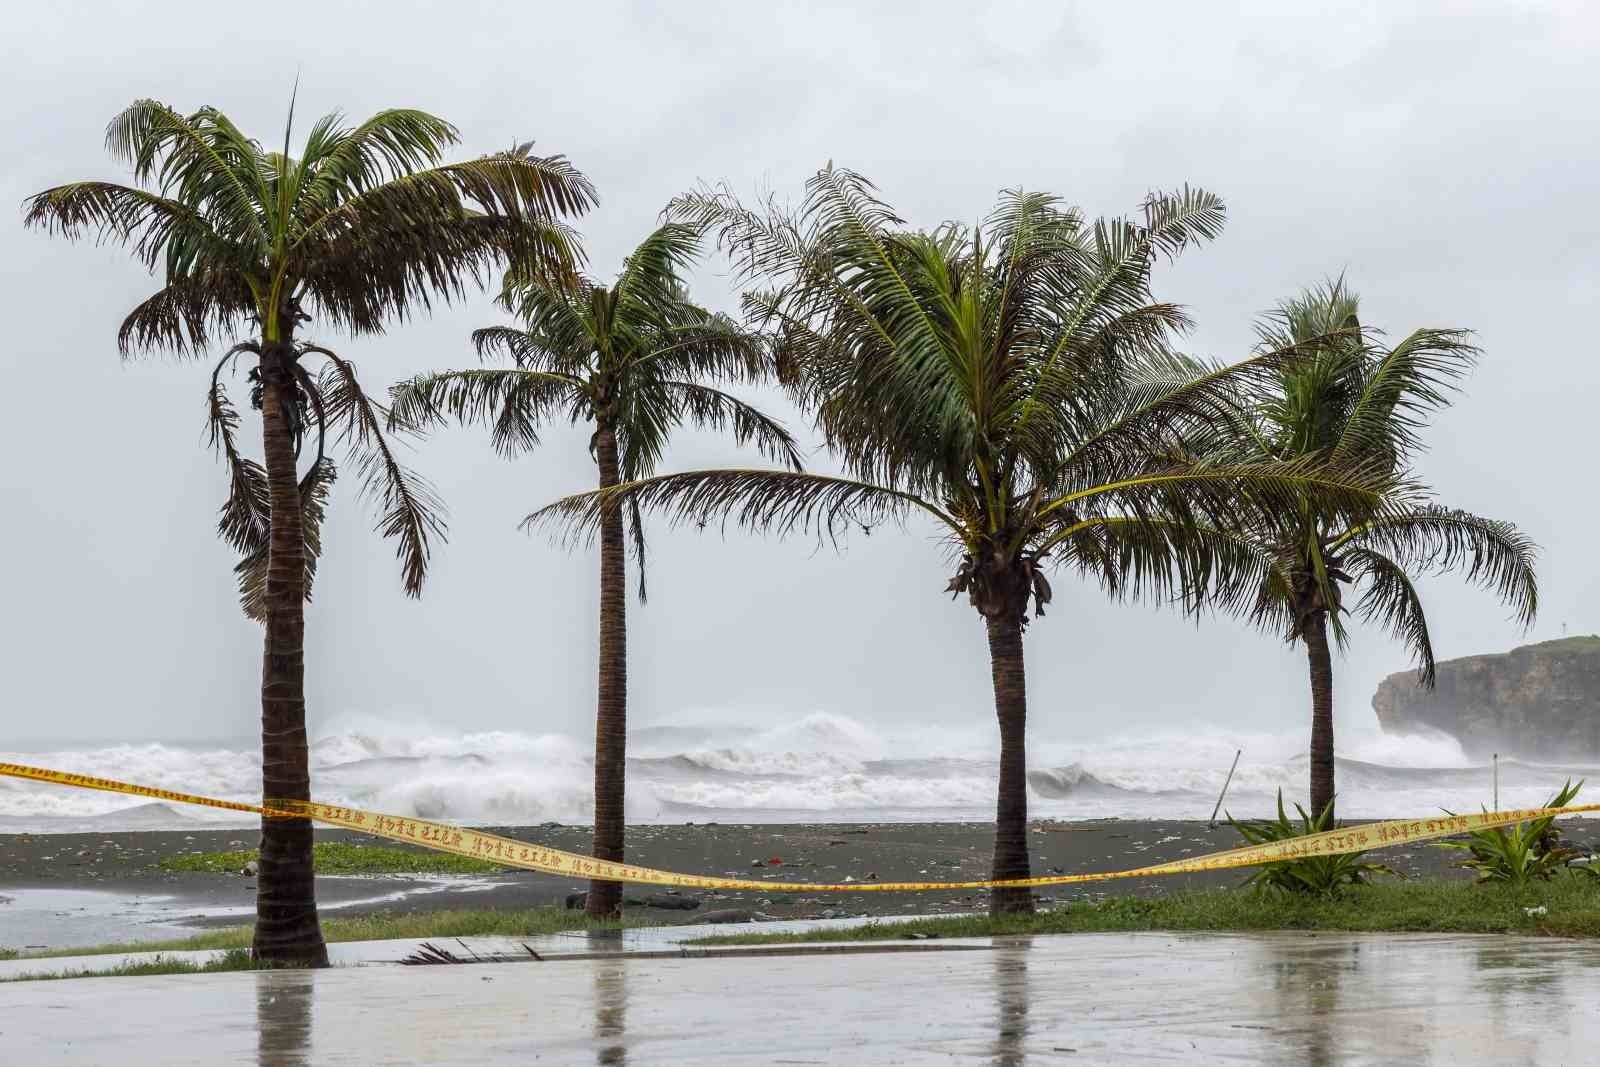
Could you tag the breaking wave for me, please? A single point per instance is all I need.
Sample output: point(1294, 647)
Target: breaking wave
point(818, 768)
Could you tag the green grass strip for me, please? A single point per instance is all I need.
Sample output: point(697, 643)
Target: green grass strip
point(339, 857)
point(1571, 909)
point(234, 960)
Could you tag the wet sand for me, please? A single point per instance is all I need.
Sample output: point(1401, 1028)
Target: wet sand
point(145, 903)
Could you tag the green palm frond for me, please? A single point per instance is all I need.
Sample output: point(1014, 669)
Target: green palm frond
point(1434, 539)
point(512, 403)
point(715, 410)
point(634, 358)
point(1198, 566)
point(1392, 601)
point(1400, 388)
point(766, 501)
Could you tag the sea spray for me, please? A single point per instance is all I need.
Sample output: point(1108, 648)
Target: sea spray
point(821, 767)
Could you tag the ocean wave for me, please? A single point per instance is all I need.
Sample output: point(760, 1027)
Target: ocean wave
point(821, 767)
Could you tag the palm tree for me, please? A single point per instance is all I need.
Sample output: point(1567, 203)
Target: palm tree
point(635, 359)
point(1356, 401)
point(1011, 383)
point(365, 225)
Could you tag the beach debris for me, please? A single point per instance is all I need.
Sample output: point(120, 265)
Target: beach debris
point(757, 863)
point(249, 870)
point(428, 954)
point(729, 915)
point(775, 861)
point(662, 900)
point(1536, 911)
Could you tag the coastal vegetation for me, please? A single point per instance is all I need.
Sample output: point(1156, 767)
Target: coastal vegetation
point(338, 857)
point(1358, 402)
point(636, 359)
point(1565, 907)
point(1012, 385)
point(366, 225)
point(1317, 875)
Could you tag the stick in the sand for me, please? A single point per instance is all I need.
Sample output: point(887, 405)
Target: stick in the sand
point(1212, 825)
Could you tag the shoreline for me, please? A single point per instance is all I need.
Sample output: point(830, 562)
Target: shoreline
point(142, 902)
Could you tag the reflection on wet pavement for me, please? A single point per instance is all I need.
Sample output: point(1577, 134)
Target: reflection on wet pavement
point(1285, 998)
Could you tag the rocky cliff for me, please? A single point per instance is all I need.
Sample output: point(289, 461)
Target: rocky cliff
point(1539, 702)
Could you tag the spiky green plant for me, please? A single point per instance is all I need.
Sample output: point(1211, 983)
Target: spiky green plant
point(1363, 404)
point(1522, 852)
point(637, 359)
point(1011, 384)
point(367, 224)
point(1323, 876)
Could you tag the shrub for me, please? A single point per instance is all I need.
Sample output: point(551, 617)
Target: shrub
point(1525, 851)
point(1322, 876)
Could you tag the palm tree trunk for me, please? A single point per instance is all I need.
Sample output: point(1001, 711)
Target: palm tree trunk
point(1011, 810)
point(611, 712)
point(1316, 638)
point(287, 931)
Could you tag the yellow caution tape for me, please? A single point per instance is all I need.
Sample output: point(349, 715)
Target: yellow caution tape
point(512, 853)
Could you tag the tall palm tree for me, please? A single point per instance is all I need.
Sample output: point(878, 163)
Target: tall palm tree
point(1356, 401)
point(635, 359)
point(367, 224)
point(1010, 383)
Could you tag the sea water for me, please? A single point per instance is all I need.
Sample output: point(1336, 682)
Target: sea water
point(819, 768)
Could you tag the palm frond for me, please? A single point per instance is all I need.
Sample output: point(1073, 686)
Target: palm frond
point(1400, 389)
point(147, 223)
point(715, 410)
point(411, 512)
point(251, 570)
point(391, 143)
point(1391, 600)
point(1433, 539)
point(245, 518)
point(201, 160)
point(184, 316)
point(655, 267)
point(512, 403)
point(764, 501)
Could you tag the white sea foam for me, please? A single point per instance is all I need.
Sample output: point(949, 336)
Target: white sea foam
point(818, 767)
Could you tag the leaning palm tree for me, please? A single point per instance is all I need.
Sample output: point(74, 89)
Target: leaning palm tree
point(1356, 401)
point(367, 224)
point(1011, 384)
point(636, 359)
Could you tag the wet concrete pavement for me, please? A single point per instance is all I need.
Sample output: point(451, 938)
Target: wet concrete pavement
point(1282, 998)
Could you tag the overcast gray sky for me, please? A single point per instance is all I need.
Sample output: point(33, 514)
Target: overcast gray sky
point(1443, 156)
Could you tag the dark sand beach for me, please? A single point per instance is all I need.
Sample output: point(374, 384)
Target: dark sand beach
point(122, 865)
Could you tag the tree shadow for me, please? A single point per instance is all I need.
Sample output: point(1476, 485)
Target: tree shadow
point(1011, 995)
point(610, 1006)
point(283, 1018)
